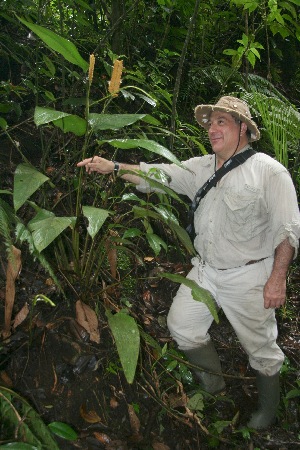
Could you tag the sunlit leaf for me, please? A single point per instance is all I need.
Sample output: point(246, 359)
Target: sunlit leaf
point(127, 338)
point(61, 45)
point(152, 146)
point(96, 218)
point(27, 180)
point(73, 124)
point(199, 294)
point(112, 121)
point(47, 115)
point(66, 122)
point(46, 231)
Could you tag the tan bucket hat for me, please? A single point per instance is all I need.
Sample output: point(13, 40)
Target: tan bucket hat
point(232, 105)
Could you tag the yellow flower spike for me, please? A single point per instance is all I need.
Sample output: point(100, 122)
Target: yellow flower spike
point(115, 81)
point(91, 68)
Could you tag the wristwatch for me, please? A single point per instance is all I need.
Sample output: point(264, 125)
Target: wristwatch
point(117, 166)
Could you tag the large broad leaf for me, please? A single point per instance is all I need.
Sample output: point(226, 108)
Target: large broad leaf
point(31, 429)
point(96, 218)
point(45, 231)
point(112, 121)
point(61, 45)
point(73, 124)
point(152, 146)
point(27, 180)
point(47, 115)
point(199, 294)
point(127, 338)
point(66, 122)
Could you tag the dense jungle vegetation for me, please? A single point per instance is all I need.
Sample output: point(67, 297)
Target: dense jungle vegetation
point(88, 265)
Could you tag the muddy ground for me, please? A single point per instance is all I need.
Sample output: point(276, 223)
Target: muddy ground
point(67, 378)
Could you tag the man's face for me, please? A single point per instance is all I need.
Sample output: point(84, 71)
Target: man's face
point(223, 133)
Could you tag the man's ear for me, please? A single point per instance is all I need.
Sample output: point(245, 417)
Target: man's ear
point(243, 128)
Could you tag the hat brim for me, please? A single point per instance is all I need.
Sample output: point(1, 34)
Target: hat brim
point(203, 112)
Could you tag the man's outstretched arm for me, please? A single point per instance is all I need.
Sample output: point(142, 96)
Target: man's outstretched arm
point(104, 166)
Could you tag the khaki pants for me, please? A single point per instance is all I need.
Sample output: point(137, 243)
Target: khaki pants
point(239, 292)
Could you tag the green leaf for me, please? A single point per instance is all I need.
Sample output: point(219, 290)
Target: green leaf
point(251, 58)
point(3, 123)
point(152, 146)
point(131, 233)
point(293, 394)
point(47, 115)
point(112, 121)
point(63, 430)
point(199, 294)
point(184, 238)
point(32, 430)
point(45, 231)
point(73, 124)
point(256, 53)
point(229, 51)
point(61, 45)
point(66, 122)
point(156, 243)
point(127, 338)
point(18, 446)
point(196, 402)
point(27, 180)
point(96, 218)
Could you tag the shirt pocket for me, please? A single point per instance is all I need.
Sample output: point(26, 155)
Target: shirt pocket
point(245, 214)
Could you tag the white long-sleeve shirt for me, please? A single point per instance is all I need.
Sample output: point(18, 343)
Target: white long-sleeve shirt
point(246, 216)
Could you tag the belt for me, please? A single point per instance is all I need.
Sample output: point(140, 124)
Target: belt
point(254, 261)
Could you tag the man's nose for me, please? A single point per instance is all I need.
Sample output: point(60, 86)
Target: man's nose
point(211, 128)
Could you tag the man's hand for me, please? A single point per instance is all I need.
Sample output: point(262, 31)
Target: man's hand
point(274, 292)
point(97, 164)
point(275, 287)
point(104, 166)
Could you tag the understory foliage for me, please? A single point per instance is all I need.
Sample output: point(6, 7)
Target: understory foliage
point(120, 79)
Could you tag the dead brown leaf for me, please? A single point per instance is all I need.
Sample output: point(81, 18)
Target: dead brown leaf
point(111, 250)
point(102, 437)
point(5, 379)
point(13, 269)
point(134, 420)
point(160, 446)
point(113, 403)
point(21, 315)
point(89, 416)
point(87, 318)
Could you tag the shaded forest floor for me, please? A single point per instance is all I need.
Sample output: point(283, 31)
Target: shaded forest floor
point(69, 379)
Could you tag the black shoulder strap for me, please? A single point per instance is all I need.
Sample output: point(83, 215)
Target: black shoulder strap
point(230, 164)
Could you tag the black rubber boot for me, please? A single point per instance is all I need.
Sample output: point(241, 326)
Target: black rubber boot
point(268, 401)
point(207, 359)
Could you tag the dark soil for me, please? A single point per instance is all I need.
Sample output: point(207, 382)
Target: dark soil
point(69, 379)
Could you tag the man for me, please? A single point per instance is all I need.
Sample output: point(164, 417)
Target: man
point(247, 233)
